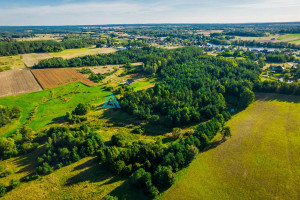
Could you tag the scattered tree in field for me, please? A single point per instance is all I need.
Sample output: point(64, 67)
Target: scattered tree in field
point(226, 132)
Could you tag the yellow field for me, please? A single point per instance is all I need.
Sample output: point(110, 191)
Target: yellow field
point(72, 53)
point(260, 161)
point(11, 62)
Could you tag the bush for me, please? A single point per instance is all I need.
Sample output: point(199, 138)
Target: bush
point(2, 190)
point(7, 172)
point(15, 183)
point(81, 109)
point(109, 197)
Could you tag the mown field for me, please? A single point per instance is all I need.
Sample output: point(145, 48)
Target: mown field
point(72, 53)
point(16, 82)
point(23, 60)
point(260, 161)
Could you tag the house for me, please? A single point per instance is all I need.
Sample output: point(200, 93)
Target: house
point(297, 61)
point(277, 69)
point(129, 81)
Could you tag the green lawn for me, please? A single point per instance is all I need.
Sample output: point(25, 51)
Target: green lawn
point(259, 161)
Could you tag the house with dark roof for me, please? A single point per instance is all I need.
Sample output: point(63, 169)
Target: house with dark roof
point(129, 81)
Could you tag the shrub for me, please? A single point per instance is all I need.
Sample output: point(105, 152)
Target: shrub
point(15, 183)
point(2, 190)
point(109, 197)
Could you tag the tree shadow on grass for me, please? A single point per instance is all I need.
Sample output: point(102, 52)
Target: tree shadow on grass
point(213, 145)
point(93, 172)
point(277, 97)
point(126, 191)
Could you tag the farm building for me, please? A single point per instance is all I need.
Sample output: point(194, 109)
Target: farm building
point(129, 81)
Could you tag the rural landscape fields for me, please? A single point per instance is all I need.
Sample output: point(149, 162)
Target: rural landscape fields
point(201, 121)
point(259, 161)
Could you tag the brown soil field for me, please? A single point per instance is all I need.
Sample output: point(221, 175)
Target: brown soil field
point(33, 58)
point(50, 78)
point(17, 82)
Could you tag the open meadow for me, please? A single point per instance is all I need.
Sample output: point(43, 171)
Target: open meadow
point(72, 53)
point(259, 161)
point(11, 62)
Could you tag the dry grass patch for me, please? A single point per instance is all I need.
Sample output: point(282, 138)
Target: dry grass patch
point(33, 58)
point(11, 62)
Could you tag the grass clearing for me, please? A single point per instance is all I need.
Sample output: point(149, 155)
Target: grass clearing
point(260, 161)
point(72, 53)
point(11, 62)
point(287, 36)
point(85, 179)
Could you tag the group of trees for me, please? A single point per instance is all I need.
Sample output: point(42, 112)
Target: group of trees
point(64, 147)
point(279, 57)
point(8, 48)
point(153, 165)
point(246, 33)
point(20, 143)
point(277, 87)
point(8, 114)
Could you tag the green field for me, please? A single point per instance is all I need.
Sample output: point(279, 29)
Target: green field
point(259, 161)
point(288, 36)
point(50, 105)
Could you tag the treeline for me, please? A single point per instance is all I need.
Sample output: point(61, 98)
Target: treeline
point(194, 91)
point(246, 33)
point(8, 114)
point(14, 48)
point(254, 43)
point(153, 58)
point(277, 87)
point(279, 57)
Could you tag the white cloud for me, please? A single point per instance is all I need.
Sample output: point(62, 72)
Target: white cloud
point(268, 4)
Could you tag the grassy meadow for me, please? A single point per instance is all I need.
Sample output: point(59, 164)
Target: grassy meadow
point(49, 106)
point(85, 179)
point(259, 161)
point(72, 53)
point(11, 62)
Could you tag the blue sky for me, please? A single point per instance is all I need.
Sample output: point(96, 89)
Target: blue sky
point(91, 12)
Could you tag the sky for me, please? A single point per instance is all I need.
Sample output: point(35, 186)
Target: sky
point(97, 12)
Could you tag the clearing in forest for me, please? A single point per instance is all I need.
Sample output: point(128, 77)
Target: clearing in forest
point(50, 78)
point(15, 82)
point(259, 161)
point(72, 53)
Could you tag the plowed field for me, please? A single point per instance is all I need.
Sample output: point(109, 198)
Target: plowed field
point(50, 78)
point(17, 82)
